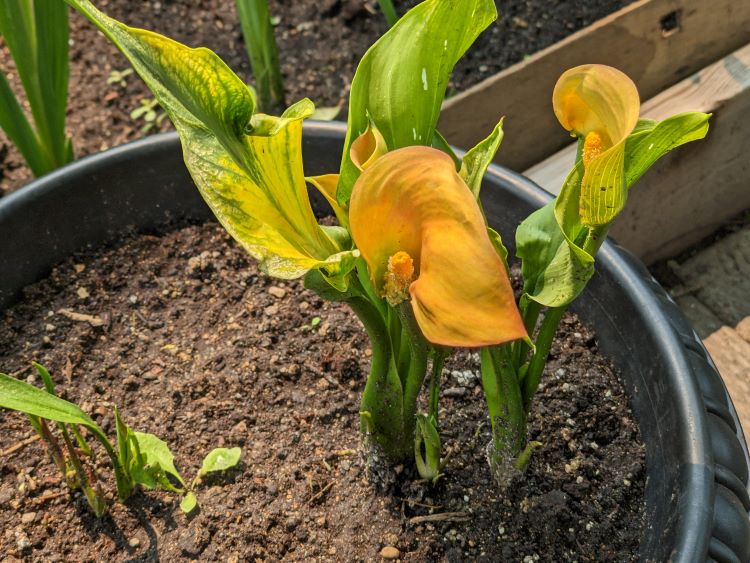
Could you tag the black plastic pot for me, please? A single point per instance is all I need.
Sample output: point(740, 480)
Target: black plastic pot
point(697, 491)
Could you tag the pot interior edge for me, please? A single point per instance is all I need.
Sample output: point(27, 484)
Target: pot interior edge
point(97, 197)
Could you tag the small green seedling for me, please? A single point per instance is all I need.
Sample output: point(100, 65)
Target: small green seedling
point(149, 111)
point(217, 460)
point(138, 458)
point(119, 77)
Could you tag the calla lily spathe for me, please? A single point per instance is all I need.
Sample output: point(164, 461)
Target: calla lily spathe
point(600, 105)
point(411, 203)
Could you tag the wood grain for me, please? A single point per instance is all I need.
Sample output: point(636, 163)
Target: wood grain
point(632, 39)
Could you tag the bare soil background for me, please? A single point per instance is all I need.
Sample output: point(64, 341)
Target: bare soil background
point(320, 43)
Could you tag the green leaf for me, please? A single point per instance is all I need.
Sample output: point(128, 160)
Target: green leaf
point(123, 441)
point(51, 20)
point(153, 459)
point(20, 396)
point(651, 140)
point(15, 124)
point(317, 282)
point(497, 243)
point(326, 113)
point(477, 160)
point(36, 33)
point(553, 273)
point(220, 459)
point(550, 241)
point(439, 142)
point(248, 167)
point(427, 448)
point(257, 31)
point(189, 502)
point(400, 82)
point(49, 385)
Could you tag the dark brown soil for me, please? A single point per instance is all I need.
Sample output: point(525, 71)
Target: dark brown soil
point(320, 43)
point(200, 349)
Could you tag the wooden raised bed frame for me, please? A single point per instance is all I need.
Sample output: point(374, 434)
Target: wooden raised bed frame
point(683, 55)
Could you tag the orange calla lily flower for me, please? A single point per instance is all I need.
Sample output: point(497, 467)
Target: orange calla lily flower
point(423, 236)
point(599, 104)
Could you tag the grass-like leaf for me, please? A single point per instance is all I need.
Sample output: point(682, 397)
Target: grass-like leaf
point(36, 33)
point(262, 51)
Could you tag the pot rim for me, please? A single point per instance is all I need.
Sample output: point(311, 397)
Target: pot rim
point(630, 275)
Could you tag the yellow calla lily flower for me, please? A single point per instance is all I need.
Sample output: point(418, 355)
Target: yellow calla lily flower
point(599, 104)
point(422, 234)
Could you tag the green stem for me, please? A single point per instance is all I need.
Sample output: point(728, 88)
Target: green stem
point(122, 477)
point(87, 480)
point(417, 368)
point(382, 401)
point(504, 400)
point(437, 369)
point(594, 239)
point(530, 314)
point(386, 6)
point(538, 360)
point(55, 452)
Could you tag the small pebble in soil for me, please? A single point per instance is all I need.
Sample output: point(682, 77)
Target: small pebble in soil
point(390, 552)
point(277, 292)
point(28, 517)
point(22, 541)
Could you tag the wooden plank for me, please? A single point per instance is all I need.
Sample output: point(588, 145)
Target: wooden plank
point(731, 354)
point(693, 191)
point(633, 39)
point(743, 329)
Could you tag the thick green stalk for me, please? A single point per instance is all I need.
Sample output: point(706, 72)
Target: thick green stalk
point(594, 239)
point(389, 12)
point(504, 400)
point(382, 401)
point(262, 51)
point(417, 367)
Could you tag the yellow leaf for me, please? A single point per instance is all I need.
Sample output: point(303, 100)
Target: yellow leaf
point(247, 166)
point(326, 185)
